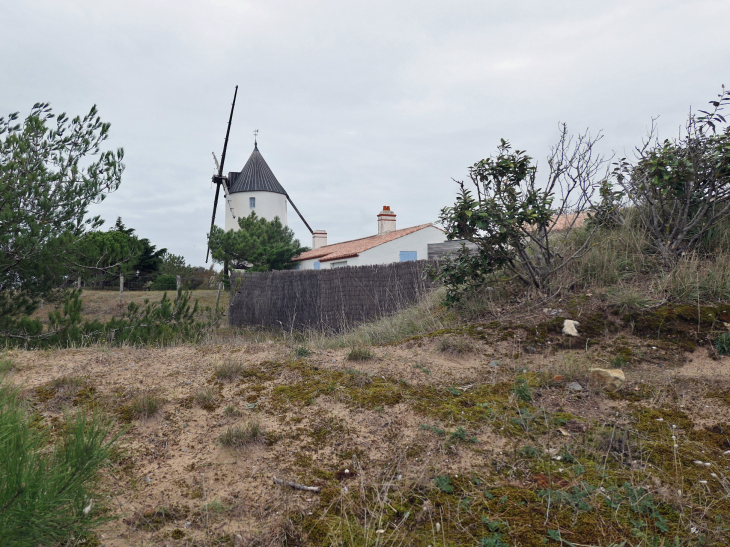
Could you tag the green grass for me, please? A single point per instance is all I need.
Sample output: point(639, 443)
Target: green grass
point(722, 344)
point(301, 352)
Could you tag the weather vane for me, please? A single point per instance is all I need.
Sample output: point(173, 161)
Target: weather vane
point(255, 137)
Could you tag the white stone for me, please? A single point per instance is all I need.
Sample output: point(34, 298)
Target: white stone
point(570, 327)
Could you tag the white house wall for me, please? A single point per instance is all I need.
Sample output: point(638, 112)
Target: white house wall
point(390, 251)
point(268, 205)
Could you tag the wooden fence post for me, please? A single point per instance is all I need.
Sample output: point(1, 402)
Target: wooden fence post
point(78, 283)
point(217, 298)
point(179, 282)
point(121, 288)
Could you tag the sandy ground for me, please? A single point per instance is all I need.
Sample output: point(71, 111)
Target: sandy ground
point(174, 461)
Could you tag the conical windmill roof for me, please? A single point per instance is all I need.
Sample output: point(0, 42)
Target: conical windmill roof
point(256, 176)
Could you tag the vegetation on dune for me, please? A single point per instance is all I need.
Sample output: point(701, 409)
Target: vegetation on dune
point(48, 491)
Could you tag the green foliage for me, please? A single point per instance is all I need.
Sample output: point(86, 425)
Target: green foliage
point(117, 251)
point(460, 435)
point(443, 483)
point(681, 188)
point(512, 218)
point(522, 390)
point(302, 351)
point(51, 170)
point(259, 245)
point(47, 494)
point(151, 323)
point(722, 344)
point(164, 282)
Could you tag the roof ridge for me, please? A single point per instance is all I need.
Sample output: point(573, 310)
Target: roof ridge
point(337, 250)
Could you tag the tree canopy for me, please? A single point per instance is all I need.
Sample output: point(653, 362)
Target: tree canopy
point(51, 170)
point(260, 245)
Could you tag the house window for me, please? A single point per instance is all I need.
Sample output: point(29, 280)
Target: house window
point(317, 265)
point(408, 256)
point(339, 264)
point(252, 203)
point(298, 267)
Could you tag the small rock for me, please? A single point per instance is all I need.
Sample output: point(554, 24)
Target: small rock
point(495, 363)
point(570, 327)
point(574, 386)
point(609, 379)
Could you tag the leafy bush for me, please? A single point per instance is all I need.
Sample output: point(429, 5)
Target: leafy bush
point(681, 188)
point(47, 493)
point(165, 282)
point(151, 323)
point(515, 221)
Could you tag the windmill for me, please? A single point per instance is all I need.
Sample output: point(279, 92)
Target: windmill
point(254, 179)
point(219, 179)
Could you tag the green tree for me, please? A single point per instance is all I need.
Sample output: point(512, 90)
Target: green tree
point(51, 169)
point(259, 245)
point(519, 224)
point(117, 251)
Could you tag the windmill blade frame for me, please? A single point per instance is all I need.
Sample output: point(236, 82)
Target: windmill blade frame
point(219, 178)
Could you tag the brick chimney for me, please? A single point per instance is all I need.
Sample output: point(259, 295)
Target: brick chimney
point(319, 239)
point(386, 220)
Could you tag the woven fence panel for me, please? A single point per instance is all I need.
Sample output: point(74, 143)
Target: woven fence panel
point(331, 299)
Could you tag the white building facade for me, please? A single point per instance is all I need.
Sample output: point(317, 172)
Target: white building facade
point(389, 245)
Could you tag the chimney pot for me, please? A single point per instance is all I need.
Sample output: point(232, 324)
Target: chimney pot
point(386, 220)
point(319, 239)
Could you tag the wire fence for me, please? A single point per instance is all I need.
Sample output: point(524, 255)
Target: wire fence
point(163, 282)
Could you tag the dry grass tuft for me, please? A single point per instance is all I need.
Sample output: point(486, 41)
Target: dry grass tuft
point(359, 353)
point(456, 344)
point(240, 436)
point(206, 399)
point(145, 406)
point(228, 370)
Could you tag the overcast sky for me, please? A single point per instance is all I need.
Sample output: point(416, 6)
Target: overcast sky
point(359, 104)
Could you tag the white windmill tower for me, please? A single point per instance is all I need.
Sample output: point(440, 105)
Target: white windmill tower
point(253, 189)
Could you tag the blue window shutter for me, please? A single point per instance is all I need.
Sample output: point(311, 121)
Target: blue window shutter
point(317, 265)
point(408, 256)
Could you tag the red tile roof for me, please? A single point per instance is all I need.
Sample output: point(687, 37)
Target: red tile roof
point(348, 249)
